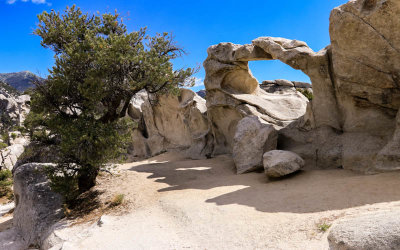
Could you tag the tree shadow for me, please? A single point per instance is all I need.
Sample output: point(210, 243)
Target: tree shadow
point(85, 204)
point(7, 224)
point(302, 192)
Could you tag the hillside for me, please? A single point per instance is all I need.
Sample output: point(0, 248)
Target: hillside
point(20, 80)
point(7, 89)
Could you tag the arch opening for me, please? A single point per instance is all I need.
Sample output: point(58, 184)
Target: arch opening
point(275, 69)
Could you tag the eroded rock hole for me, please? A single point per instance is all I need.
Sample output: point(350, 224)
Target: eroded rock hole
point(275, 75)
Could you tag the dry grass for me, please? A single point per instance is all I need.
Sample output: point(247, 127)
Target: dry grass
point(102, 199)
point(117, 200)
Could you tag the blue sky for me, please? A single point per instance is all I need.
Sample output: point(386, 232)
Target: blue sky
point(195, 24)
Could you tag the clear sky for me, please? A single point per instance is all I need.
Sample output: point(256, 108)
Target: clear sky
point(195, 24)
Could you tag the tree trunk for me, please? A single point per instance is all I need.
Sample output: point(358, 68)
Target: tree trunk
point(87, 179)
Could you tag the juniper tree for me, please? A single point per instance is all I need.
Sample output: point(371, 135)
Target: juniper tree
point(99, 66)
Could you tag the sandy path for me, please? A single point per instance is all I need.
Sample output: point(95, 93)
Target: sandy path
point(182, 204)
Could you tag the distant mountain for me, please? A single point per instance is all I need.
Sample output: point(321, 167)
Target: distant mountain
point(20, 80)
point(202, 93)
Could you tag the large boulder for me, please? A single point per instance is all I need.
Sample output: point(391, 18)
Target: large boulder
point(253, 137)
point(373, 231)
point(170, 122)
point(278, 163)
point(37, 206)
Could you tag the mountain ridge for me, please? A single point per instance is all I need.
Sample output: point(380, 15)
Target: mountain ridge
point(21, 81)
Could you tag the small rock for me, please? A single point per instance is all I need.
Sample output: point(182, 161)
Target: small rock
point(278, 163)
point(104, 219)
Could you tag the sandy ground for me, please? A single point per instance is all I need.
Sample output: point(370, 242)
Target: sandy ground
point(175, 203)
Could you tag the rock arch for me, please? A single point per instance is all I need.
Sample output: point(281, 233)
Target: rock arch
point(351, 122)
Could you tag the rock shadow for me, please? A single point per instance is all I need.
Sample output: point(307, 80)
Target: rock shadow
point(303, 192)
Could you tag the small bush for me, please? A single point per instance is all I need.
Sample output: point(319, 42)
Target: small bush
point(3, 145)
point(117, 200)
point(64, 182)
point(5, 137)
point(323, 227)
point(306, 93)
point(14, 136)
point(20, 129)
point(6, 183)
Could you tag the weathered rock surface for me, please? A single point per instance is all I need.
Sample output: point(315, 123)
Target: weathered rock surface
point(366, 64)
point(170, 122)
point(9, 155)
point(13, 109)
point(253, 137)
point(374, 231)
point(282, 86)
point(233, 93)
point(278, 163)
point(351, 121)
point(37, 206)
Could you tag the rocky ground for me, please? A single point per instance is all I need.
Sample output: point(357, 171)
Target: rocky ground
point(174, 203)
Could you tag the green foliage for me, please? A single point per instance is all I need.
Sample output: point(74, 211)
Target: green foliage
point(28, 91)
point(99, 66)
point(5, 137)
point(64, 182)
point(20, 129)
point(306, 93)
point(3, 145)
point(323, 227)
point(6, 183)
point(13, 136)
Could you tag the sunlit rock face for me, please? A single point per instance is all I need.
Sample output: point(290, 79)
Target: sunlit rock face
point(170, 122)
point(233, 93)
point(351, 121)
point(366, 66)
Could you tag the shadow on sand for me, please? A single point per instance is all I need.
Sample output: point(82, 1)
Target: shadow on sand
point(303, 192)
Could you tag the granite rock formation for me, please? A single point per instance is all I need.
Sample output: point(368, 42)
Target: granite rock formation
point(37, 206)
point(351, 120)
point(170, 122)
point(253, 137)
point(233, 93)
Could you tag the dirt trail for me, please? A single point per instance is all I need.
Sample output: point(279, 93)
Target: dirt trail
point(180, 204)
